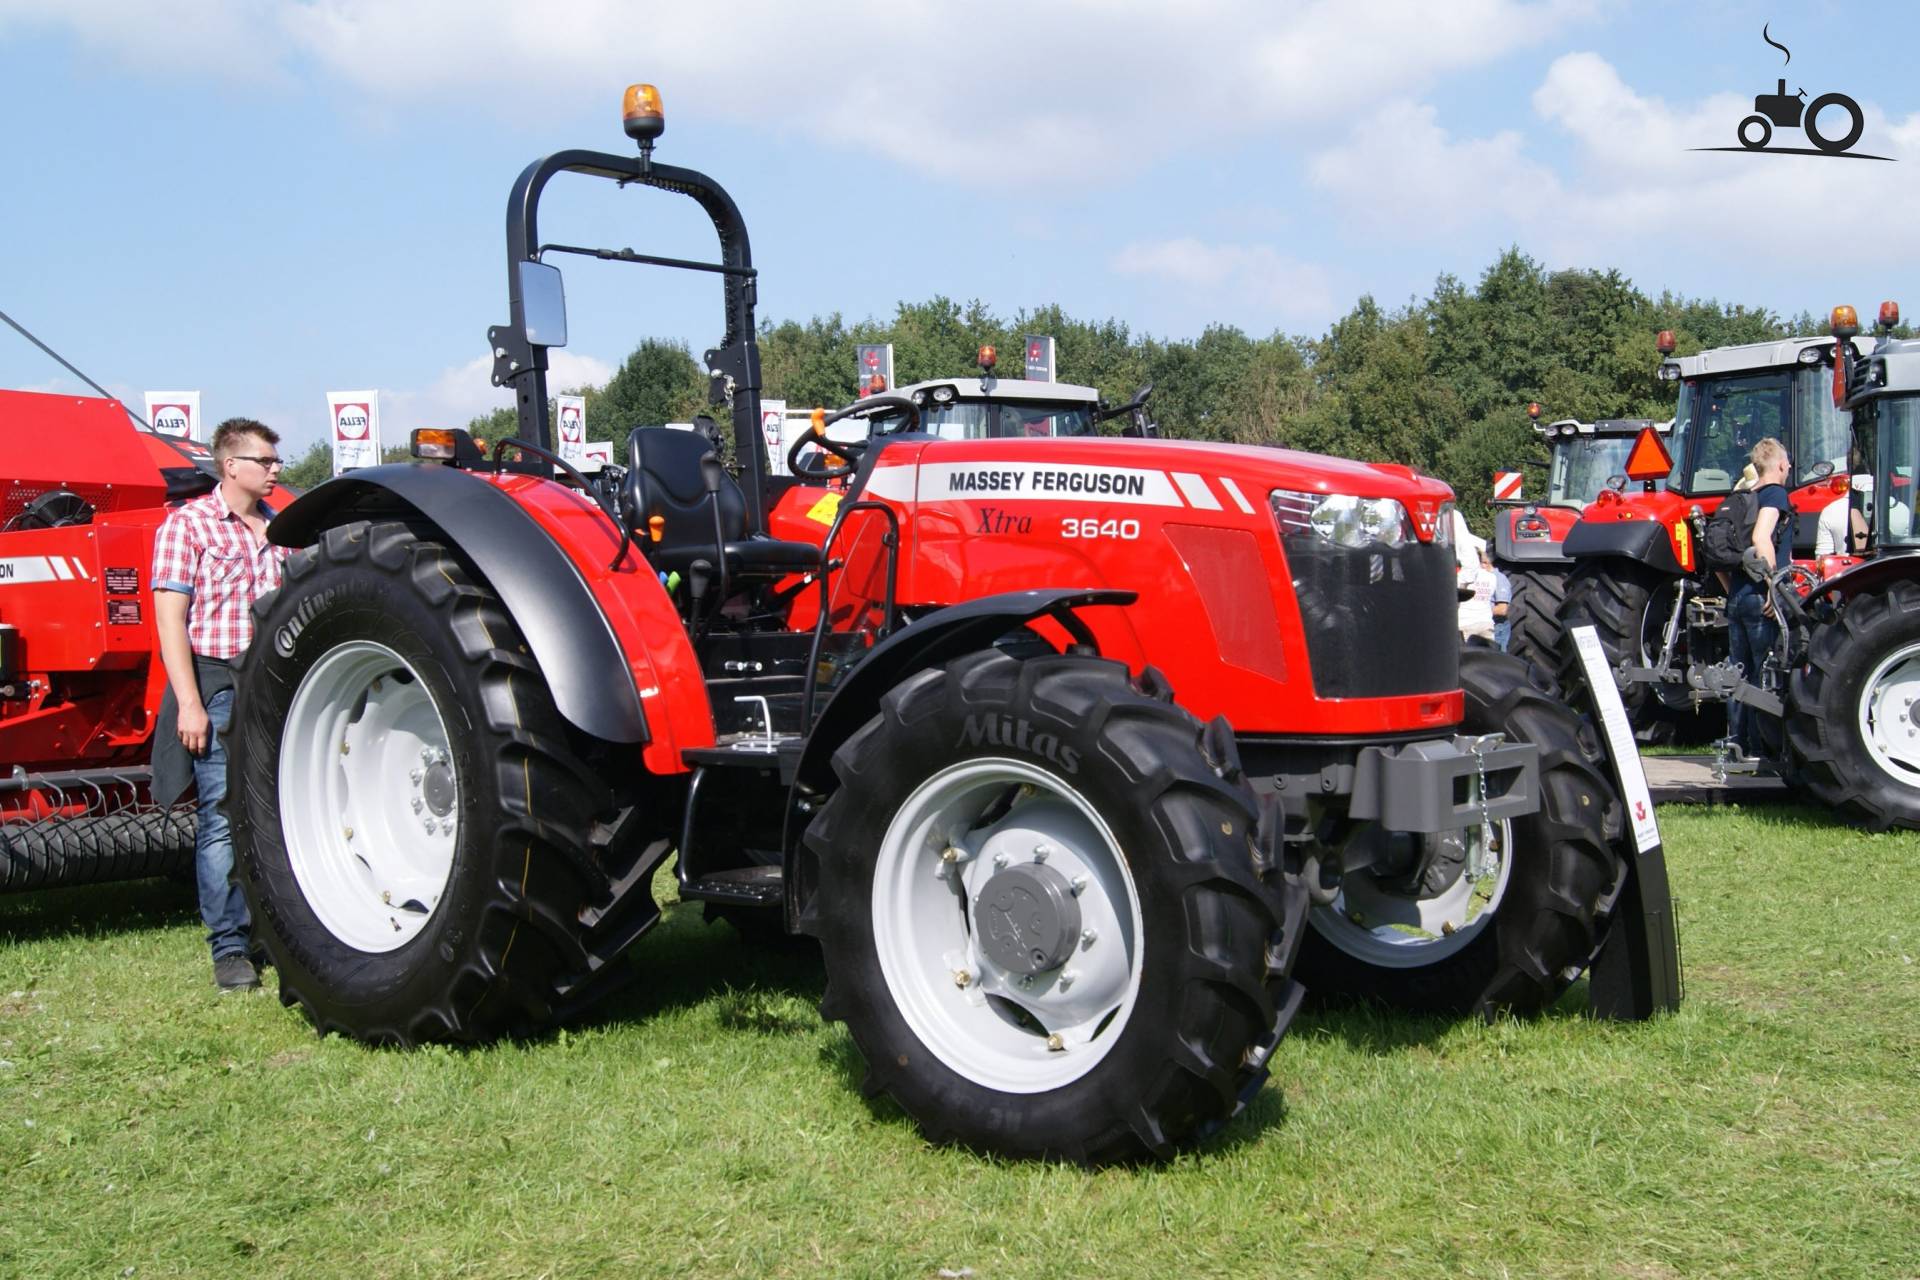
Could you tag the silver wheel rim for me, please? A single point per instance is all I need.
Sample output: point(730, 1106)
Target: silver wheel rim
point(369, 797)
point(1011, 1031)
point(1395, 930)
point(1887, 720)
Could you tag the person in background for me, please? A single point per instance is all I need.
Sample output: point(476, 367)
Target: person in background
point(1474, 578)
point(1502, 599)
point(1752, 628)
point(211, 561)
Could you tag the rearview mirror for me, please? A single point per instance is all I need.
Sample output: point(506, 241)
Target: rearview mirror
point(543, 304)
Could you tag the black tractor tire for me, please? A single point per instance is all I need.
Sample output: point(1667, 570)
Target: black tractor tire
point(1565, 874)
point(1832, 758)
point(1856, 122)
point(1613, 596)
point(1219, 921)
point(96, 849)
point(1533, 615)
point(490, 958)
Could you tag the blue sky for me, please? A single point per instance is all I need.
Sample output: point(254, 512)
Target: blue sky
point(267, 200)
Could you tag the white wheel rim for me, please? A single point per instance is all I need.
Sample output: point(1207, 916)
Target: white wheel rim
point(1393, 930)
point(369, 796)
point(1887, 715)
point(1014, 1032)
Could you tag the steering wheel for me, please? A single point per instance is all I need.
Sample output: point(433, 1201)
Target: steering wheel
point(848, 452)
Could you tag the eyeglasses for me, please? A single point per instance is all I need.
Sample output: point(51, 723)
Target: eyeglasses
point(270, 463)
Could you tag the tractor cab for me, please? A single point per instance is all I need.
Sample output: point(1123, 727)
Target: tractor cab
point(1882, 389)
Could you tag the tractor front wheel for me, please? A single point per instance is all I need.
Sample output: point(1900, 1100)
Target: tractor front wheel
point(1042, 912)
point(1627, 604)
point(1506, 917)
point(1853, 710)
point(410, 828)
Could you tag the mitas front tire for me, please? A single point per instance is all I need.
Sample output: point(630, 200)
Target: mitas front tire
point(410, 827)
point(1043, 912)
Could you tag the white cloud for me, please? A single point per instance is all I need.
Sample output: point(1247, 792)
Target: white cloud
point(1065, 93)
point(1253, 274)
point(466, 391)
point(1399, 169)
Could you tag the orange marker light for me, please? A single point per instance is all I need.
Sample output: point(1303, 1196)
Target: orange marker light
point(1664, 344)
point(1649, 459)
point(432, 442)
point(988, 358)
point(1533, 411)
point(819, 422)
point(1845, 321)
point(1889, 314)
point(641, 114)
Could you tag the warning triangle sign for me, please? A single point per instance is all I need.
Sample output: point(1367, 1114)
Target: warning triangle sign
point(1649, 459)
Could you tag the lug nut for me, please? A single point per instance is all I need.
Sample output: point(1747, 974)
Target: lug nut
point(1446, 927)
point(413, 775)
point(1088, 937)
point(1077, 884)
point(429, 825)
point(1068, 977)
point(418, 804)
point(999, 861)
point(426, 755)
point(962, 979)
point(950, 855)
point(1055, 1044)
point(1041, 852)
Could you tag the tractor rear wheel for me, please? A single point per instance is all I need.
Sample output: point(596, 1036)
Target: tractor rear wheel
point(1042, 912)
point(1516, 913)
point(1534, 615)
point(410, 826)
point(1852, 729)
point(1627, 604)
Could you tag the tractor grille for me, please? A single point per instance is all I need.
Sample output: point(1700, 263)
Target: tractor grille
point(1380, 623)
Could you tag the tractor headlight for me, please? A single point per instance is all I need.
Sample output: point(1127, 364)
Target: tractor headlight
point(1342, 520)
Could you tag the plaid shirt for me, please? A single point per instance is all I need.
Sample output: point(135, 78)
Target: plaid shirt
point(206, 551)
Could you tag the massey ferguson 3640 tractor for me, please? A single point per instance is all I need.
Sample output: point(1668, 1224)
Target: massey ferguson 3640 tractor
point(1637, 576)
point(1052, 743)
point(80, 676)
point(1528, 533)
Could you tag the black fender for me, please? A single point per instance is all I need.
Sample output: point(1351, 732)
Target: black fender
point(1646, 541)
point(929, 641)
point(550, 602)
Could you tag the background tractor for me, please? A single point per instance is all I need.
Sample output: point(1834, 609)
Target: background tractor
point(1637, 575)
point(1053, 743)
point(1528, 534)
point(80, 676)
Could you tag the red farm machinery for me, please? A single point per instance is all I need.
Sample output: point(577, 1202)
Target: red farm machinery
point(81, 494)
point(1078, 756)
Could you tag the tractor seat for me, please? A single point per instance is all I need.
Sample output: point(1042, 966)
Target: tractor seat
point(1711, 478)
point(668, 475)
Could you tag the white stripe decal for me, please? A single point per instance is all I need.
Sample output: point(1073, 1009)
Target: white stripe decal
point(1233, 491)
point(895, 484)
point(60, 569)
point(81, 569)
point(25, 569)
point(1196, 490)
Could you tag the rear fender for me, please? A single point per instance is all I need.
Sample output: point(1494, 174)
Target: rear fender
point(1868, 575)
point(609, 643)
point(1646, 541)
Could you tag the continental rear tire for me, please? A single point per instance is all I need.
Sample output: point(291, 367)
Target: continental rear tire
point(1534, 918)
point(410, 827)
point(1042, 912)
point(1614, 597)
point(1851, 727)
point(1534, 615)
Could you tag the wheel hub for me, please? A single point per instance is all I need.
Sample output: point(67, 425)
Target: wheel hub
point(1028, 919)
point(436, 788)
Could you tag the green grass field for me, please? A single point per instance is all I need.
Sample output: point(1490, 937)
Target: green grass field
point(708, 1123)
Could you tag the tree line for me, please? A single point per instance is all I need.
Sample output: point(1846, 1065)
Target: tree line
point(1440, 383)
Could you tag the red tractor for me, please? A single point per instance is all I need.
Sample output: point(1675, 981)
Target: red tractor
point(80, 675)
point(1529, 534)
point(1638, 575)
point(1053, 744)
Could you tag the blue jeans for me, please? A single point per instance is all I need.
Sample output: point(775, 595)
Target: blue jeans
point(222, 908)
point(1750, 638)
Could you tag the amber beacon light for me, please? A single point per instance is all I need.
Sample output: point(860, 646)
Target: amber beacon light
point(641, 114)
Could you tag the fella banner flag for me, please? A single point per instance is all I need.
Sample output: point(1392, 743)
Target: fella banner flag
point(1039, 358)
point(773, 429)
point(355, 416)
point(176, 413)
point(875, 364)
point(573, 429)
point(595, 454)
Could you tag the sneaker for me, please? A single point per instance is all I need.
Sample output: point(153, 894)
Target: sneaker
point(235, 973)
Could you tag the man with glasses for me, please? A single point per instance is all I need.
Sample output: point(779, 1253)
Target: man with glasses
point(211, 561)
